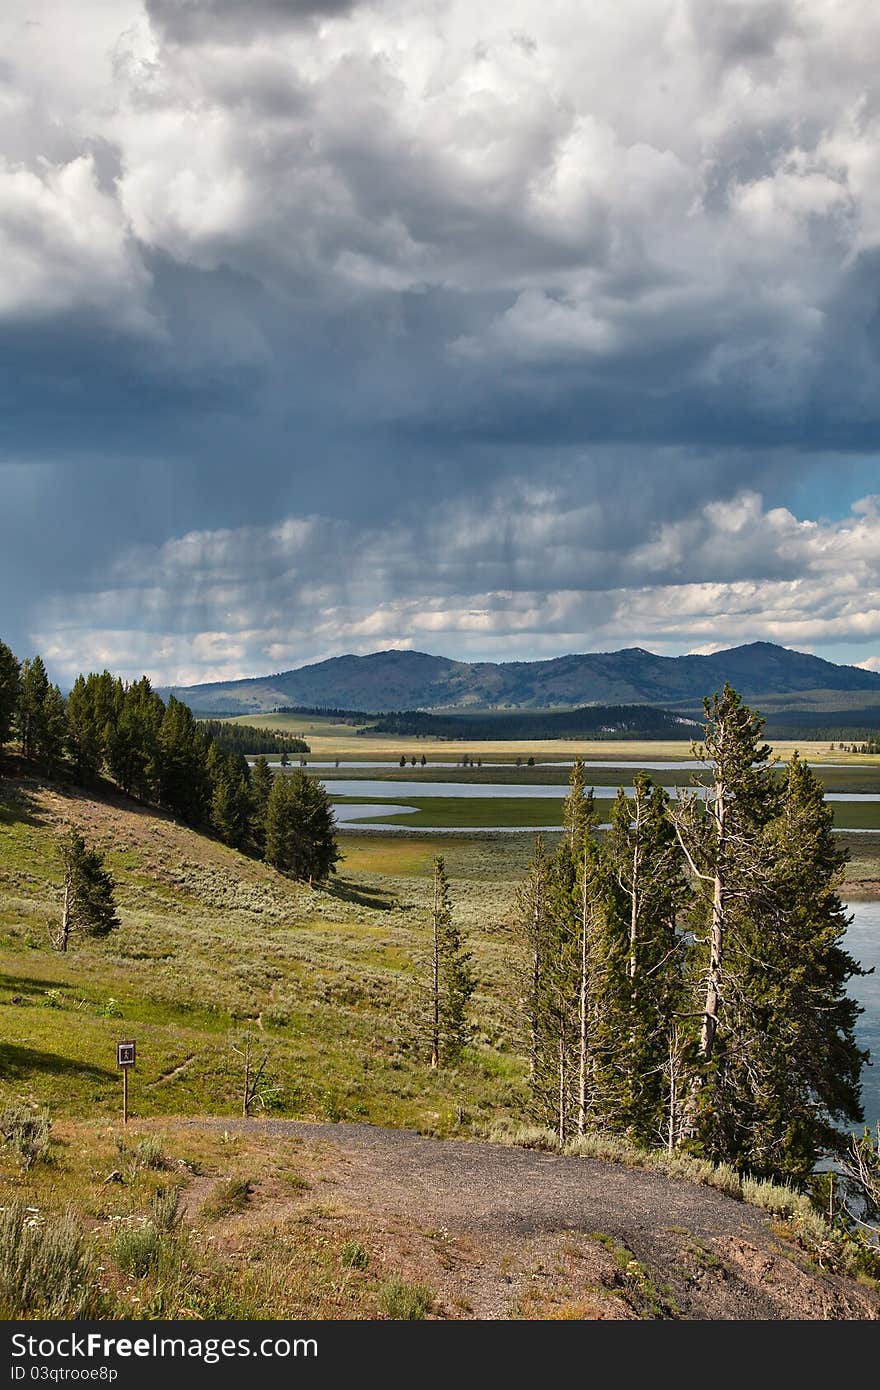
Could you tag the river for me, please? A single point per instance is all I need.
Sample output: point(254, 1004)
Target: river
point(377, 789)
point(863, 942)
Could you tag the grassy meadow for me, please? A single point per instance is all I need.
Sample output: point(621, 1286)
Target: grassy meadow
point(173, 1219)
point(328, 739)
point(214, 945)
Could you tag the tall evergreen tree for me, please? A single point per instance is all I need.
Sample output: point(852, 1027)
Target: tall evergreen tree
point(791, 1064)
point(230, 796)
point(313, 807)
point(721, 836)
point(648, 866)
point(52, 733)
point(10, 676)
point(133, 745)
point(579, 809)
point(300, 838)
point(533, 932)
point(183, 784)
point(30, 716)
point(85, 733)
point(89, 903)
point(260, 787)
point(280, 830)
point(452, 981)
point(602, 996)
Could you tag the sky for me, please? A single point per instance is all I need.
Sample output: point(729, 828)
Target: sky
point(495, 331)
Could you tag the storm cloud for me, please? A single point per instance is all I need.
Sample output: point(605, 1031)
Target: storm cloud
point(492, 330)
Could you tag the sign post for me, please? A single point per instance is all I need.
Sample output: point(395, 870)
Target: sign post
point(125, 1058)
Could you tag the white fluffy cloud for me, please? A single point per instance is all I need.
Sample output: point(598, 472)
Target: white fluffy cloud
point(617, 177)
point(65, 244)
point(214, 605)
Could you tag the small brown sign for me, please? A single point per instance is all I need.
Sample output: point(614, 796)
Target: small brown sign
point(125, 1054)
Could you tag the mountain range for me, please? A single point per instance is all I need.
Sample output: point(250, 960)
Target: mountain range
point(774, 677)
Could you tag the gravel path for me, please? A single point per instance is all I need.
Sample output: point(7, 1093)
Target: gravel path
point(505, 1212)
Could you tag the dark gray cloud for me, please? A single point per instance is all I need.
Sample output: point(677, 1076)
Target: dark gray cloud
point(745, 31)
point(211, 21)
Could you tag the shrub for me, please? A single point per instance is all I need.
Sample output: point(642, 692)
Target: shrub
point(150, 1154)
point(164, 1210)
point(136, 1249)
point(146, 1153)
point(405, 1302)
point(46, 1270)
point(354, 1256)
point(779, 1200)
point(26, 1134)
point(522, 1136)
point(228, 1197)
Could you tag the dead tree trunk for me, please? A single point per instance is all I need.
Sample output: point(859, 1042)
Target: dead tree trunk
point(582, 1020)
point(536, 985)
point(709, 1026)
point(635, 891)
point(562, 1088)
point(435, 978)
point(66, 914)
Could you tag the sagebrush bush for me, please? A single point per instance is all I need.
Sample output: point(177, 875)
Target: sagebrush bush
point(522, 1136)
point(354, 1256)
point(405, 1302)
point(136, 1249)
point(46, 1268)
point(26, 1133)
point(778, 1199)
point(164, 1210)
point(146, 1153)
point(227, 1197)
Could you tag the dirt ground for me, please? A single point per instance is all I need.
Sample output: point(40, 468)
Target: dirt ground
point(501, 1232)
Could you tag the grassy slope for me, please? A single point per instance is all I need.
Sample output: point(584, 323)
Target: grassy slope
point(213, 943)
point(852, 778)
point(210, 943)
point(330, 740)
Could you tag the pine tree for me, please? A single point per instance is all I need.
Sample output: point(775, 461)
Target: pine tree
point(452, 981)
point(260, 787)
point(85, 741)
point(52, 731)
point(10, 677)
point(560, 995)
point(279, 830)
point(40, 714)
point(601, 992)
point(558, 1000)
point(648, 866)
point(89, 902)
point(579, 808)
point(792, 1066)
point(230, 796)
point(300, 838)
point(133, 744)
point(721, 835)
point(315, 809)
point(533, 928)
point(183, 785)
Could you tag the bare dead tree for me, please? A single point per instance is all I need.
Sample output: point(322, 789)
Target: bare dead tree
point(255, 1088)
